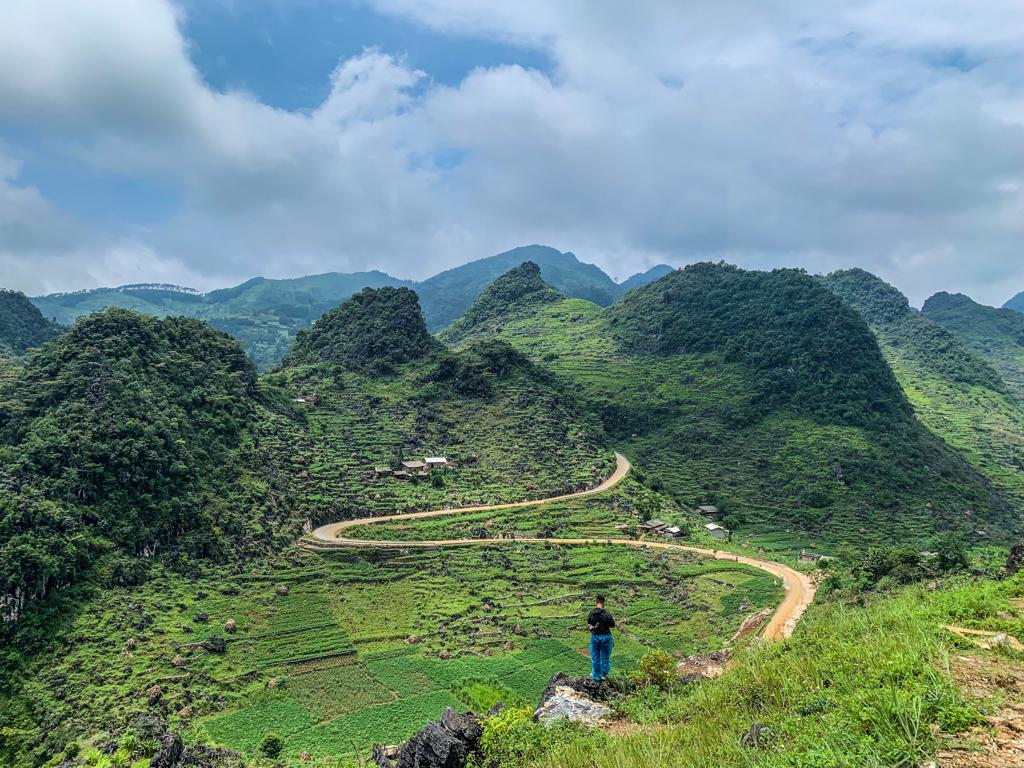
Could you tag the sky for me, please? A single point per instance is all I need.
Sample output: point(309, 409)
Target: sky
point(204, 142)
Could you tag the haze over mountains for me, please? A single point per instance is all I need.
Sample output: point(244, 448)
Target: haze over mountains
point(266, 314)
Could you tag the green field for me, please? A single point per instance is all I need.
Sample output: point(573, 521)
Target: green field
point(368, 646)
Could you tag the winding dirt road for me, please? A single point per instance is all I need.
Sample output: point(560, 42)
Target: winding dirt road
point(799, 590)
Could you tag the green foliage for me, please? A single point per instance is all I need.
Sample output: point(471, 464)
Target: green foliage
point(858, 687)
point(22, 326)
point(997, 335)
point(656, 668)
point(272, 745)
point(802, 346)
point(515, 292)
point(375, 331)
point(512, 740)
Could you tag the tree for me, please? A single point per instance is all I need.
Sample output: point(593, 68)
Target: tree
point(272, 745)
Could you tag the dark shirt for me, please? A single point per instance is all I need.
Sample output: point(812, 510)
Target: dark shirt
point(600, 621)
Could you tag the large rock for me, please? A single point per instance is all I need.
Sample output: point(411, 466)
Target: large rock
point(1016, 559)
point(446, 743)
point(579, 699)
point(169, 752)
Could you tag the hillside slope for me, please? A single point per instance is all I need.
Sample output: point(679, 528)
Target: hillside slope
point(956, 393)
point(764, 394)
point(997, 335)
point(385, 391)
point(22, 326)
point(125, 438)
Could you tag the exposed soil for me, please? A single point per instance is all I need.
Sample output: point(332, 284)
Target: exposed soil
point(999, 682)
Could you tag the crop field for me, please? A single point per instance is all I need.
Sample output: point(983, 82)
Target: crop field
point(337, 651)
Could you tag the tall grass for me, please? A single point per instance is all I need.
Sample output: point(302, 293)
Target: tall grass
point(865, 687)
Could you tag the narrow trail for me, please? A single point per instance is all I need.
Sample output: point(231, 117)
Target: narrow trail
point(798, 588)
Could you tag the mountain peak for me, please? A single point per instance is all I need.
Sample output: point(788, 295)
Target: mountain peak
point(22, 325)
point(374, 331)
point(872, 297)
point(520, 289)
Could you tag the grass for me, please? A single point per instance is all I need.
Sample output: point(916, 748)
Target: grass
point(854, 686)
point(355, 652)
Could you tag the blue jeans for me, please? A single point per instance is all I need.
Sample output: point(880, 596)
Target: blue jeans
point(601, 655)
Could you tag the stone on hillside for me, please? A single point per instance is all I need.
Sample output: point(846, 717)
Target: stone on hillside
point(305, 757)
point(185, 712)
point(757, 737)
point(202, 618)
point(703, 664)
point(282, 590)
point(445, 654)
point(178, 661)
point(169, 751)
point(273, 683)
point(215, 644)
point(446, 743)
point(578, 699)
point(411, 640)
point(130, 644)
point(230, 626)
point(1016, 559)
point(153, 694)
point(518, 630)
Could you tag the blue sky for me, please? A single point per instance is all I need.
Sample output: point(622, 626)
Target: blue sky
point(204, 142)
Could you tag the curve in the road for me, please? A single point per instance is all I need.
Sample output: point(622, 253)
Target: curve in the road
point(798, 588)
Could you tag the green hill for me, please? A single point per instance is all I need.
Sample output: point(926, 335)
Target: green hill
point(995, 334)
point(521, 289)
point(763, 393)
point(956, 393)
point(1016, 303)
point(128, 436)
point(641, 279)
point(385, 392)
point(22, 326)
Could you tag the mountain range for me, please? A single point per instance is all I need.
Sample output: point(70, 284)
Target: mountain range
point(266, 314)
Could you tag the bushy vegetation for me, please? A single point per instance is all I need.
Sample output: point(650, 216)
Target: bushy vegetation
point(120, 440)
point(997, 335)
point(518, 290)
point(22, 326)
point(955, 391)
point(721, 386)
point(855, 686)
point(375, 331)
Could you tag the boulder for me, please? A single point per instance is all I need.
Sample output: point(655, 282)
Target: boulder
point(282, 590)
point(579, 699)
point(446, 743)
point(178, 661)
point(202, 618)
point(154, 693)
point(169, 752)
point(230, 626)
point(1016, 559)
point(215, 644)
point(130, 644)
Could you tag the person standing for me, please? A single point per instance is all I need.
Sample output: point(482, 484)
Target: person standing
point(600, 623)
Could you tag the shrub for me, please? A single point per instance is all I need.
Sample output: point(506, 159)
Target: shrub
point(272, 745)
point(656, 668)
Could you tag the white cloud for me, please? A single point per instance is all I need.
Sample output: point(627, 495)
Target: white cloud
point(768, 134)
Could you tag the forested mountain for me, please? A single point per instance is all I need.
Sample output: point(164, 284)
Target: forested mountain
point(956, 393)
point(265, 315)
point(22, 326)
point(126, 437)
point(995, 334)
point(762, 392)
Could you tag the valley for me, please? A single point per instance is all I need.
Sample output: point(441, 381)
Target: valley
point(393, 521)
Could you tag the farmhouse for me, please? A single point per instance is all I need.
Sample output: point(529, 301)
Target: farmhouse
point(673, 532)
point(381, 471)
point(808, 557)
point(716, 531)
point(436, 462)
point(653, 526)
point(710, 511)
point(414, 467)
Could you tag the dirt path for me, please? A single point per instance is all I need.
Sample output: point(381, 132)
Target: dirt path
point(798, 588)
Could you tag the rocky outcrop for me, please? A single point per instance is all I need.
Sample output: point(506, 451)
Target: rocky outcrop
point(1016, 559)
point(172, 753)
point(703, 664)
point(757, 737)
point(446, 743)
point(579, 699)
